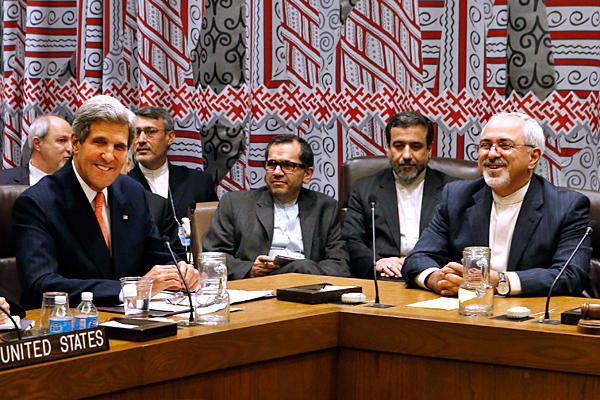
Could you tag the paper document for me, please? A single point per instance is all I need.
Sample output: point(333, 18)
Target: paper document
point(441, 303)
point(166, 301)
point(9, 325)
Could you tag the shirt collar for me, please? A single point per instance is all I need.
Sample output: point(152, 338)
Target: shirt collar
point(513, 198)
point(163, 169)
point(36, 172)
point(89, 192)
point(412, 185)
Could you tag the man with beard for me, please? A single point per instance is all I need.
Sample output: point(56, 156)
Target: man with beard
point(406, 194)
point(531, 226)
point(282, 227)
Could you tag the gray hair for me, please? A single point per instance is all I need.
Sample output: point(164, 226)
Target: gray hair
point(104, 108)
point(157, 113)
point(533, 133)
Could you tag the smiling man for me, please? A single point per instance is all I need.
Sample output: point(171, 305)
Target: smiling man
point(88, 225)
point(406, 195)
point(282, 227)
point(531, 226)
point(50, 144)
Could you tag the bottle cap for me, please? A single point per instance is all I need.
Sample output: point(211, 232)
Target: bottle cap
point(518, 312)
point(87, 296)
point(60, 299)
point(353, 298)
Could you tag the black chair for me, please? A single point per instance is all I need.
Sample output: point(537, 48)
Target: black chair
point(9, 278)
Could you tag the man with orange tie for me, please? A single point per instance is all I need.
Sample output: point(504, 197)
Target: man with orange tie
point(88, 225)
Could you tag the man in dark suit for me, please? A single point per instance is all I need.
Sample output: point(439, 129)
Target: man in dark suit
point(182, 186)
point(530, 225)
point(283, 227)
point(50, 144)
point(406, 195)
point(87, 225)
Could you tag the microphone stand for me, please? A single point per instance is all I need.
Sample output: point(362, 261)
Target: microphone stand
point(192, 320)
point(546, 319)
point(376, 304)
point(17, 327)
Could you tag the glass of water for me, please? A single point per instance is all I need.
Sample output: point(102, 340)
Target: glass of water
point(212, 298)
point(475, 293)
point(137, 292)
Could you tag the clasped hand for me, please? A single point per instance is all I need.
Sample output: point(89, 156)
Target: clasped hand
point(167, 277)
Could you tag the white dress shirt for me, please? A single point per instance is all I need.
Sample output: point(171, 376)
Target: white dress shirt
point(158, 179)
point(287, 232)
point(35, 174)
point(503, 218)
point(410, 198)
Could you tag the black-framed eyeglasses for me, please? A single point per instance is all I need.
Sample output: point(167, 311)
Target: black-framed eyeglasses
point(149, 131)
point(286, 166)
point(502, 147)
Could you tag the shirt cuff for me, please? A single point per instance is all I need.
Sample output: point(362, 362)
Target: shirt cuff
point(515, 283)
point(422, 277)
point(121, 296)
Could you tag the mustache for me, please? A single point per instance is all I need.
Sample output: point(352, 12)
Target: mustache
point(406, 163)
point(496, 163)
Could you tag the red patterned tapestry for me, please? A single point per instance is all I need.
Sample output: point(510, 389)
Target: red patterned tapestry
point(236, 73)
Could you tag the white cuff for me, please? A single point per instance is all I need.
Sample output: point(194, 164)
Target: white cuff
point(515, 283)
point(422, 277)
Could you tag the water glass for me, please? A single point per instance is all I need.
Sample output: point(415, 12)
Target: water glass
point(212, 298)
point(475, 293)
point(47, 307)
point(137, 292)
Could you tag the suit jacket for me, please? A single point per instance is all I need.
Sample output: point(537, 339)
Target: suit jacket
point(15, 307)
point(357, 229)
point(15, 176)
point(243, 228)
point(551, 222)
point(162, 214)
point(60, 246)
point(188, 187)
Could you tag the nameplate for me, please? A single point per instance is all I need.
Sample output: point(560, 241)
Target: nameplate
point(52, 347)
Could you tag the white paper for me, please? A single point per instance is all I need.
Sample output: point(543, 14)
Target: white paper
point(9, 325)
point(160, 303)
point(330, 288)
point(441, 303)
point(115, 324)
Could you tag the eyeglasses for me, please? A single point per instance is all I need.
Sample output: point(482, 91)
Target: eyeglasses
point(149, 131)
point(502, 147)
point(286, 166)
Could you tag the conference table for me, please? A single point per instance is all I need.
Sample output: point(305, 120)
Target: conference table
point(282, 350)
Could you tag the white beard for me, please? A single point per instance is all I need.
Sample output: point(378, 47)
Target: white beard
point(497, 182)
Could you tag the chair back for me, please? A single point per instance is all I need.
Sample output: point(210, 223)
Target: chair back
point(9, 278)
point(201, 220)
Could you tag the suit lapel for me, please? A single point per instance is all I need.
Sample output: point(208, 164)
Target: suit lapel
point(81, 219)
point(308, 220)
point(431, 195)
point(527, 221)
point(387, 195)
point(478, 216)
point(176, 188)
point(264, 213)
point(119, 219)
point(136, 173)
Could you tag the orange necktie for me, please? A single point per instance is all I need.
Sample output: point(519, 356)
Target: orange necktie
point(99, 202)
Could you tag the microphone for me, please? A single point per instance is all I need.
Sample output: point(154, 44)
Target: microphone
point(376, 304)
point(373, 202)
point(546, 319)
point(192, 321)
point(17, 327)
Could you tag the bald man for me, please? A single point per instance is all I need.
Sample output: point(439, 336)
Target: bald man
point(50, 144)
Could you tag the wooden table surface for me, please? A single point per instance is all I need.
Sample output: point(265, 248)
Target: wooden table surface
point(276, 349)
